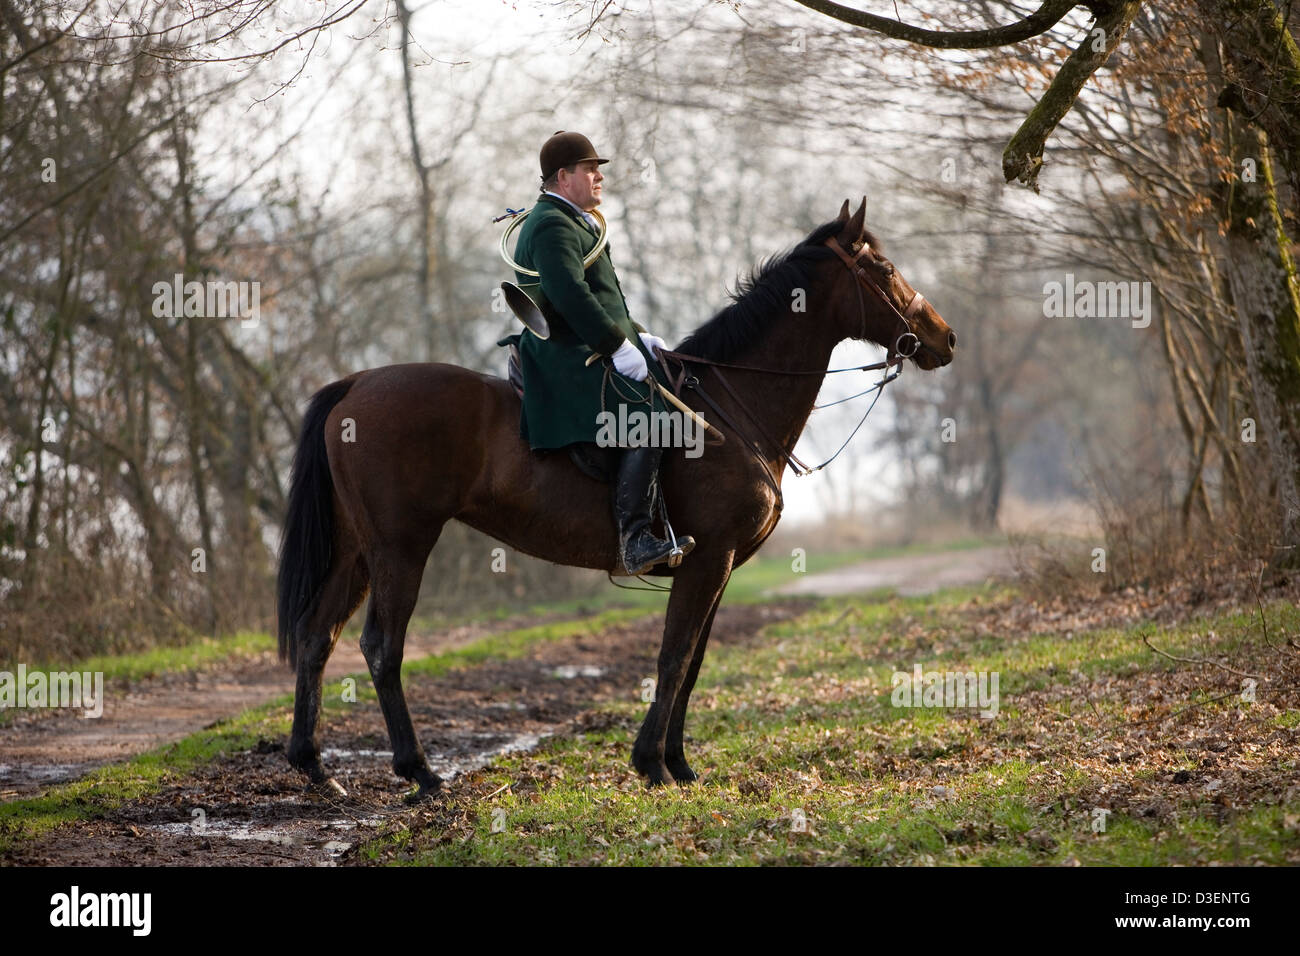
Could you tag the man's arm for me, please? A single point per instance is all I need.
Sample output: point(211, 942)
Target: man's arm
point(557, 255)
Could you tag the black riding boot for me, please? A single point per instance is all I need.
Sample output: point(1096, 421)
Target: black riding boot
point(634, 489)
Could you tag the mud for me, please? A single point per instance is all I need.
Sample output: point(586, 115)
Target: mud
point(39, 748)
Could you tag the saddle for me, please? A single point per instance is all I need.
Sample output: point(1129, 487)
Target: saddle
point(597, 463)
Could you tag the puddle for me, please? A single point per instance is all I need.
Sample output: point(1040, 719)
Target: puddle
point(333, 838)
point(20, 778)
point(448, 767)
point(570, 671)
point(332, 847)
point(334, 753)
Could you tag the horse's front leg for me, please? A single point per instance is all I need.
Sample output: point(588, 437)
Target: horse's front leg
point(694, 596)
point(675, 752)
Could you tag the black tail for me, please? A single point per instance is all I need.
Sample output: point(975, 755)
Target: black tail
point(307, 544)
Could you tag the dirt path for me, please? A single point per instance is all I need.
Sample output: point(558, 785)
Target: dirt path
point(251, 809)
point(910, 574)
point(39, 748)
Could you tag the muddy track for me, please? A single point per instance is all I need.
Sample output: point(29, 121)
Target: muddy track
point(40, 748)
point(253, 810)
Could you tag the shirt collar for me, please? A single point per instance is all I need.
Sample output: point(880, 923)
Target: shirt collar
point(591, 220)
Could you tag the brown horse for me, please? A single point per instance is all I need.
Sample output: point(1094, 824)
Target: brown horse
point(388, 456)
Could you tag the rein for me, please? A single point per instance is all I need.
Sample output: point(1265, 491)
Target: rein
point(905, 346)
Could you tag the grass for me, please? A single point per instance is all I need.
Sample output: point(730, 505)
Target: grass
point(194, 656)
point(188, 657)
point(805, 760)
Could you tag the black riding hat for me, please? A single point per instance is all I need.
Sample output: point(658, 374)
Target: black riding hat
point(566, 149)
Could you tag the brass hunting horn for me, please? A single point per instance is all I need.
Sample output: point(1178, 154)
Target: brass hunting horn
point(521, 303)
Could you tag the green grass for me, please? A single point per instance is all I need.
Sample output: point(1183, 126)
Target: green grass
point(193, 656)
point(188, 657)
point(799, 727)
point(1289, 720)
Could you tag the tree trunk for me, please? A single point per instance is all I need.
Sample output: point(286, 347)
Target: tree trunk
point(1262, 276)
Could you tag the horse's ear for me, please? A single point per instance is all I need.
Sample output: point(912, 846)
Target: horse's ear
point(853, 229)
point(844, 211)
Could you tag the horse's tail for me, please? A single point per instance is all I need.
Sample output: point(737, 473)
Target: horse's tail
point(307, 543)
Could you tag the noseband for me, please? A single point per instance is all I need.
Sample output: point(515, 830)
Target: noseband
point(907, 341)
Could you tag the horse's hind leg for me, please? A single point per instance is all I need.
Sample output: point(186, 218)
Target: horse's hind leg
point(342, 595)
point(395, 588)
point(675, 751)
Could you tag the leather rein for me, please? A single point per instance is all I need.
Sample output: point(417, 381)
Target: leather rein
point(905, 346)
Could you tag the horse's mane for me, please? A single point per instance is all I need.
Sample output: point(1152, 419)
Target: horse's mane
point(762, 297)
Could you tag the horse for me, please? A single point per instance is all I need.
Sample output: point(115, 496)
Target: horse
point(387, 456)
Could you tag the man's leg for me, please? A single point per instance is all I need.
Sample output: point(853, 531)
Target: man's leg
point(634, 488)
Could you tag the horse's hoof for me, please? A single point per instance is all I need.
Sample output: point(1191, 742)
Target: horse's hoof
point(421, 794)
point(683, 774)
point(653, 768)
point(658, 777)
point(326, 787)
point(427, 784)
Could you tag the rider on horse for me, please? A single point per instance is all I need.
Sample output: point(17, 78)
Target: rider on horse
point(586, 311)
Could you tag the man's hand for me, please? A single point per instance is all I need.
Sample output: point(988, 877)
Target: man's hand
point(629, 361)
point(652, 342)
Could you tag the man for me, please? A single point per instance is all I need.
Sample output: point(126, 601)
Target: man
point(563, 395)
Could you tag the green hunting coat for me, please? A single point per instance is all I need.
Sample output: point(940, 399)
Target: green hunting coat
point(587, 313)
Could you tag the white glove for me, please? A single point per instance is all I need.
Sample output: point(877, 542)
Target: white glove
point(629, 361)
point(652, 342)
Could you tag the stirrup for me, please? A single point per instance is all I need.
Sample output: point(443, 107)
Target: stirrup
point(680, 548)
point(677, 549)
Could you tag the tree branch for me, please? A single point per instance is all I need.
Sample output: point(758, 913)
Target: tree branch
point(1036, 24)
point(1023, 157)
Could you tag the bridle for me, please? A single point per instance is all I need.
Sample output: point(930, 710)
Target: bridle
point(905, 346)
point(854, 264)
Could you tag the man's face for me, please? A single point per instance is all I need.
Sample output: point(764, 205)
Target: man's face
point(582, 186)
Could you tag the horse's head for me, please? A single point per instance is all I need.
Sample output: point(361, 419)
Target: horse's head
point(883, 306)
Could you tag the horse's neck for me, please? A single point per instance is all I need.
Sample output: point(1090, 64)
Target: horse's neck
point(782, 403)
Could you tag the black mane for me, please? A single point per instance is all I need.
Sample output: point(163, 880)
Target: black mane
point(762, 297)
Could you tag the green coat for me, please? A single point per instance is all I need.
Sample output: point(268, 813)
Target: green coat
point(586, 312)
